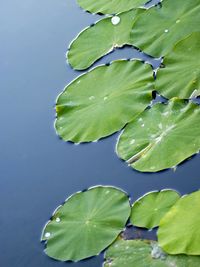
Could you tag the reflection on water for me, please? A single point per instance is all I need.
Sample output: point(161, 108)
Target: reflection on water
point(38, 170)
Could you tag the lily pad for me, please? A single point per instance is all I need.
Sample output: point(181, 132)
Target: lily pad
point(100, 39)
point(103, 100)
point(86, 224)
point(110, 6)
point(157, 30)
point(149, 209)
point(162, 136)
point(181, 76)
point(179, 230)
point(144, 253)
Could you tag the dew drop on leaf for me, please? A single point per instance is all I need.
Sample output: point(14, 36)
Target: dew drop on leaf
point(115, 20)
point(47, 235)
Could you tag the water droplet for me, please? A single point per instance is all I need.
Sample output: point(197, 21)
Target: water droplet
point(115, 46)
point(115, 20)
point(174, 168)
point(166, 31)
point(160, 125)
point(178, 20)
point(76, 144)
point(47, 235)
point(107, 192)
point(57, 220)
point(165, 113)
point(78, 81)
point(142, 125)
point(157, 252)
point(140, 119)
point(132, 141)
point(91, 97)
point(105, 98)
point(127, 247)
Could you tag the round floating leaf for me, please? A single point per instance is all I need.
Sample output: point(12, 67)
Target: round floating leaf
point(86, 224)
point(100, 39)
point(143, 253)
point(158, 29)
point(181, 76)
point(162, 136)
point(103, 100)
point(179, 230)
point(149, 209)
point(109, 6)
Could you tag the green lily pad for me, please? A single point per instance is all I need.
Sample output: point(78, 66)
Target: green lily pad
point(181, 76)
point(179, 230)
point(144, 253)
point(100, 39)
point(109, 6)
point(162, 136)
point(103, 100)
point(158, 29)
point(86, 224)
point(149, 209)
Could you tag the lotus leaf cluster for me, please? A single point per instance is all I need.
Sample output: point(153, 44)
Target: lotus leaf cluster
point(94, 220)
point(107, 98)
point(154, 136)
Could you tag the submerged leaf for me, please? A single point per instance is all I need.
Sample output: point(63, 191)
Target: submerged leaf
point(179, 230)
point(144, 253)
point(149, 209)
point(100, 39)
point(181, 75)
point(157, 30)
point(162, 136)
point(110, 6)
point(86, 224)
point(103, 100)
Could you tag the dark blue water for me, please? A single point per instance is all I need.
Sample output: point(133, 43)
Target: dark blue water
point(37, 170)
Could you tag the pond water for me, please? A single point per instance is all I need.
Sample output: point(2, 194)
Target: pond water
point(38, 170)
